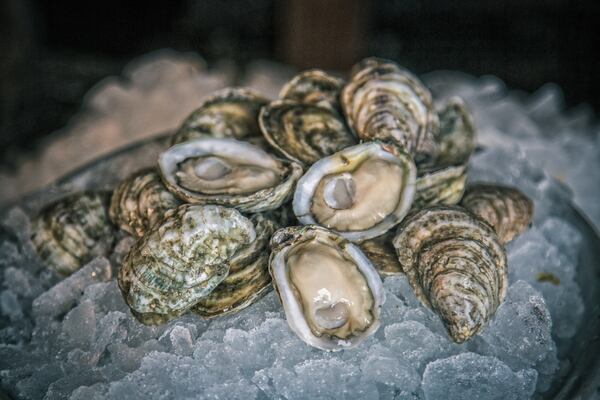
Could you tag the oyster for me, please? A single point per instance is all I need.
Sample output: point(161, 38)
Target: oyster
point(380, 251)
point(303, 132)
point(330, 292)
point(456, 136)
point(314, 87)
point(506, 209)
point(140, 201)
point(70, 232)
point(228, 172)
point(384, 101)
point(248, 278)
point(360, 192)
point(227, 113)
point(456, 265)
point(181, 260)
point(444, 185)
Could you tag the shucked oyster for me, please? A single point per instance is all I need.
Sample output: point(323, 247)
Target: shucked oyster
point(506, 209)
point(228, 172)
point(227, 113)
point(302, 132)
point(360, 192)
point(384, 101)
point(329, 290)
point(140, 201)
point(248, 278)
point(314, 87)
point(456, 265)
point(70, 232)
point(181, 260)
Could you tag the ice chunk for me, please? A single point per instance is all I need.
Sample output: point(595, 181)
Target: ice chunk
point(79, 326)
point(385, 367)
point(472, 376)
point(562, 235)
point(10, 305)
point(179, 339)
point(96, 391)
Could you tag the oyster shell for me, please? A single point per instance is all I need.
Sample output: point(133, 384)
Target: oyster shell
point(248, 278)
point(456, 136)
point(140, 201)
point(70, 232)
point(228, 172)
point(360, 192)
point(314, 87)
point(444, 185)
point(302, 132)
point(380, 251)
point(456, 265)
point(227, 113)
point(181, 260)
point(330, 292)
point(384, 101)
point(506, 209)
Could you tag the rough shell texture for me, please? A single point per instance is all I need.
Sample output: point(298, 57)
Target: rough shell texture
point(302, 132)
point(181, 260)
point(230, 112)
point(248, 278)
point(360, 192)
point(456, 265)
point(381, 252)
point(228, 172)
point(445, 185)
point(72, 231)
point(506, 209)
point(140, 201)
point(330, 292)
point(314, 87)
point(456, 136)
point(384, 101)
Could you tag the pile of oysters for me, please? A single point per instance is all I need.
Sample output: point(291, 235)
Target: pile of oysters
point(317, 194)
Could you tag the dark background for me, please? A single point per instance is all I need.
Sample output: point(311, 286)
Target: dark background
point(52, 52)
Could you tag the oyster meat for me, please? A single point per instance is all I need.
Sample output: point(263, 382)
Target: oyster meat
point(227, 113)
point(314, 87)
point(330, 292)
point(456, 265)
point(360, 192)
point(70, 232)
point(140, 201)
point(506, 209)
point(302, 132)
point(228, 172)
point(181, 260)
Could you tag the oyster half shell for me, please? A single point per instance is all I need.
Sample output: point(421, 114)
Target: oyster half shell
point(330, 292)
point(360, 192)
point(181, 260)
point(456, 265)
point(70, 232)
point(228, 172)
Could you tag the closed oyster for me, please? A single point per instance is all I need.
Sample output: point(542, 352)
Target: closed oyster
point(506, 209)
point(70, 232)
point(384, 101)
point(360, 192)
point(314, 87)
point(248, 278)
point(380, 251)
point(181, 260)
point(456, 136)
point(227, 113)
point(303, 132)
point(228, 172)
point(456, 265)
point(443, 185)
point(140, 201)
point(330, 292)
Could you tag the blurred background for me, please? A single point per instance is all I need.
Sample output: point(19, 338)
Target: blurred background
point(52, 52)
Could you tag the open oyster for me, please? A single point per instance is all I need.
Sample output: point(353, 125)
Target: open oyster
point(181, 260)
point(70, 232)
point(330, 292)
point(140, 201)
point(506, 209)
point(302, 132)
point(360, 192)
point(314, 87)
point(456, 265)
point(228, 172)
point(380, 251)
point(384, 101)
point(230, 112)
point(248, 278)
